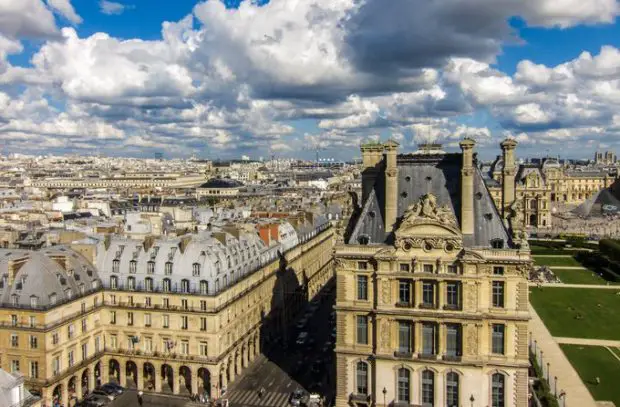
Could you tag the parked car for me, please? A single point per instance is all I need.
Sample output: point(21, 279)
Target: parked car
point(113, 387)
point(94, 400)
point(98, 392)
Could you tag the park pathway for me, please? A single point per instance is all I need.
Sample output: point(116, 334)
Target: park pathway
point(562, 285)
point(587, 342)
point(577, 394)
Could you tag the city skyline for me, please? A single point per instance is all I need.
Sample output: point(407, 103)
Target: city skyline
point(225, 79)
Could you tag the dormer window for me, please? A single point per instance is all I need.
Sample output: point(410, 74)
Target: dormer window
point(133, 265)
point(150, 267)
point(115, 265)
point(34, 301)
point(497, 243)
point(196, 270)
point(168, 268)
point(53, 298)
point(15, 299)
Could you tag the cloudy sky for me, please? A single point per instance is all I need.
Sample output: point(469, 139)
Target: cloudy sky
point(283, 77)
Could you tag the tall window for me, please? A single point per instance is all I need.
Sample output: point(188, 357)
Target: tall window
point(497, 390)
point(115, 265)
point(361, 374)
point(428, 388)
point(14, 340)
point(185, 286)
point(362, 288)
point(34, 301)
point(428, 293)
point(168, 268)
point(133, 266)
point(428, 338)
point(148, 284)
point(113, 317)
point(34, 369)
point(452, 294)
point(203, 349)
point(150, 267)
point(196, 269)
point(131, 283)
point(404, 381)
point(14, 366)
point(147, 319)
point(404, 291)
point(204, 287)
point(452, 390)
point(498, 339)
point(453, 340)
point(166, 284)
point(166, 321)
point(183, 322)
point(33, 342)
point(362, 329)
point(130, 318)
point(203, 323)
point(404, 336)
point(113, 282)
point(498, 294)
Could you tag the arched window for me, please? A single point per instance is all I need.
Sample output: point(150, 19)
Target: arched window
point(131, 283)
point(166, 285)
point(498, 391)
point(133, 266)
point(361, 376)
point(148, 284)
point(204, 287)
point(185, 286)
point(196, 270)
point(452, 390)
point(404, 385)
point(113, 282)
point(428, 388)
point(168, 268)
point(150, 267)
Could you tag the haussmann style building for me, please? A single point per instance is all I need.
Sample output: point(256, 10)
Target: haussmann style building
point(432, 296)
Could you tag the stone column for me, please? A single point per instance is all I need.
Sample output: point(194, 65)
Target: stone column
point(105, 370)
point(391, 185)
point(176, 382)
point(441, 294)
point(122, 377)
point(508, 174)
point(441, 340)
point(65, 392)
point(92, 379)
point(417, 332)
point(467, 187)
point(194, 379)
point(78, 387)
point(139, 377)
point(157, 375)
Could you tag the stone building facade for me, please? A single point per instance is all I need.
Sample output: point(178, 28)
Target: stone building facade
point(432, 295)
point(161, 338)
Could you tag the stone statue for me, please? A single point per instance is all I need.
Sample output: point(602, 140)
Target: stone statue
point(427, 208)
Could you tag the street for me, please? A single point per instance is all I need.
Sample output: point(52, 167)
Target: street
point(286, 368)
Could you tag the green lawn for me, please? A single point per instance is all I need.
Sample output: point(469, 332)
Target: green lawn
point(596, 361)
point(567, 261)
point(572, 276)
point(575, 312)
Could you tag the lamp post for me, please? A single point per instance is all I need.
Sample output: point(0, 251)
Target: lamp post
point(471, 400)
point(555, 385)
point(384, 394)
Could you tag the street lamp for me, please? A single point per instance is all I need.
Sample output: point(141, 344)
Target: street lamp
point(471, 400)
point(384, 393)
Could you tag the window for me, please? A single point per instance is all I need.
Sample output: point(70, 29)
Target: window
point(498, 271)
point(56, 367)
point(497, 244)
point(84, 325)
point(33, 321)
point(14, 366)
point(196, 270)
point(362, 288)
point(498, 339)
point(404, 379)
point(148, 284)
point(147, 301)
point(184, 322)
point(404, 292)
point(33, 342)
point(133, 267)
point(113, 341)
point(453, 269)
point(166, 321)
point(113, 317)
point(70, 358)
point(184, 347)
point(34, 301)
point(204, 287)
point(113, 282)
point(203, 323)
point(147, 319)
point(185, 286)
point(362, 329)
point(428, 388)
point(131, 283)
point(452, 294)
point(168, 268)
point(14, 340)
point(203, 305)
point(115, 265)
point(34, 369)
point(84, 351)
point(453, 340)
point(112, 299)
point(497, 390)
point(165, 302)
point(361, 376)
point(148, 344)
point(404, 267)
point(130, 318)
point(166, 285)
point(184, 304)
point(428, 268)
point(130, 300)
point(404, 336)
point(428, 338)
point(452, 390)
point(14, 320)
point(150, 267)
point(55, 338)
point(70, 331)
point(498, 294)
point(203, 349)
point(428, 294)
point(362, 265)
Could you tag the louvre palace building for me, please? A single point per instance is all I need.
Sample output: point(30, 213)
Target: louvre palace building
point(178, 315)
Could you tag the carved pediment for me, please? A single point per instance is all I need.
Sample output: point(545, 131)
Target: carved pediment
point(427, 210)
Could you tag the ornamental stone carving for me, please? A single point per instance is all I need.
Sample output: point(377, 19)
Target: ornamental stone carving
point(427, 208)
point(472, 340)
point(385, 334)
point(471, 298)
point(385, 291)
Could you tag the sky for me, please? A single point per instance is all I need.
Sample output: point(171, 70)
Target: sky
point(287, 78)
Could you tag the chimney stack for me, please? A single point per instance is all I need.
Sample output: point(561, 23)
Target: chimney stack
point(467, 187)
point(372, 154)
point(508, 181)
point(391, 184)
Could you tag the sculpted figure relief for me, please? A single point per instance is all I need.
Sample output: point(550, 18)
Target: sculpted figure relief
point(427, 208)
point(472, 340)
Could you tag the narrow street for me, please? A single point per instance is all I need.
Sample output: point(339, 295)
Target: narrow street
point(284, 369)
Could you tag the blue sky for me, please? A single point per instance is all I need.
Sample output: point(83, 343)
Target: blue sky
point(184, 77)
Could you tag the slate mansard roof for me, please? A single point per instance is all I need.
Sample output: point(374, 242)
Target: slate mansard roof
point(43, 278)
point(437, 174)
